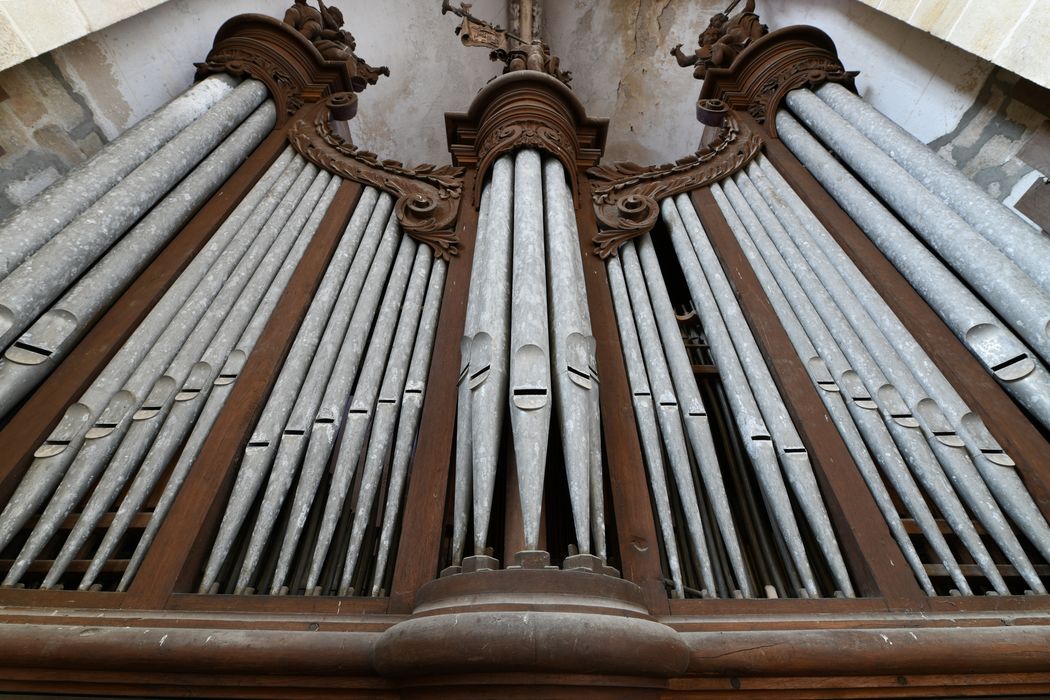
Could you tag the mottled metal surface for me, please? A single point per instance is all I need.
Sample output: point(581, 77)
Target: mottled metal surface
point(1023, 244)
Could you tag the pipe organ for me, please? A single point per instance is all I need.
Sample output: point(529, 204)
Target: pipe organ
point(773, 416)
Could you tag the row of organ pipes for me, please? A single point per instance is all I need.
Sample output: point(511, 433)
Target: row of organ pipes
point(980, 267)
point(316, 502)
point(527, 348)
point(357, 368)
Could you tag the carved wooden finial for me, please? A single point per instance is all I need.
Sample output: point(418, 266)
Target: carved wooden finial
point(723, 40)
point(324, 27)
point(526, 54)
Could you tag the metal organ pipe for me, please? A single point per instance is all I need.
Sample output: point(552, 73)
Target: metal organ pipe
point(853, 415)
point(895, 392)
point(793, 455)
point(34, 224)
point(530, 368)
point(647, 311)
point(890, 348)
point(40, 279)
point(200, 281)
point(988, 456)
point(645, 416)
point(149, 391)
point(231, 312)
point(1003, 354)
point(1007, 288)
point(408, 421)
point(46, 342)
point(1022, 243)
point(573, 360)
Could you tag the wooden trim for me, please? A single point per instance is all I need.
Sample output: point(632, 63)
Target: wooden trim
point(35, 420)
point(176, 555)
point(1011, 427)
point(876, 561)
point(635, 522)
point(418, 551)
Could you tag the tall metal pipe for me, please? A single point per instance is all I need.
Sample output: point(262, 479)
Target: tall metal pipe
point(408, 422)
point(530, 367)
point(1007, 288)
point(361, 402)
point(887, 383)
point(386, 406)
point(988, 456)
point(793, 455)
point(667, 404)
point(46, 342)
point(1021, 242)
point(645, 417)
point(573, 361)
point(35, 223)
point(339, 292)
point(1005, 356)
point(31, 287)
point(53, 457)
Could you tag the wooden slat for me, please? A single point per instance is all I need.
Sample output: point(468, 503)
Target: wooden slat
point(174, 560)
point(635, 522)
point(43, 409)
point(876, 561)
point(1020, 438)
point(418, 551)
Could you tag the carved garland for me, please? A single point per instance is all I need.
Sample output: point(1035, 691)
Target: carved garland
point(427, 195)
point(627, 203)
point(242, 63)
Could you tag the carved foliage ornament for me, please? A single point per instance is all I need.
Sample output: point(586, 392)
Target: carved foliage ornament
point(427, 195)
point(627, 195)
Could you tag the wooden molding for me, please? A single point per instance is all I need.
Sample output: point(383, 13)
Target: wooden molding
point(525, 109)
point(427, 195)
point(772, 66)
point(627, 195)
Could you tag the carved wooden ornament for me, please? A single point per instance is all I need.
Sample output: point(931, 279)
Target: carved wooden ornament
point(627, 195)
point(427, 195)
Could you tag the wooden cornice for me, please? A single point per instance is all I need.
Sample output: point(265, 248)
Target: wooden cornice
point(769, 68)
point(525, 109)
point(284, 60)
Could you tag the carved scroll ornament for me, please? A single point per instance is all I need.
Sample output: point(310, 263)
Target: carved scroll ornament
point(627, 195)
point(427, 196)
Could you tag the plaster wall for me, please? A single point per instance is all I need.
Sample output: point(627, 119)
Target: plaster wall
point(63, 105)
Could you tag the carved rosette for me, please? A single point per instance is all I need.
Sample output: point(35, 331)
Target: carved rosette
point(274, 53)
point(627, 195)
point(427, 196)
point(525, 109)
point(772, 66)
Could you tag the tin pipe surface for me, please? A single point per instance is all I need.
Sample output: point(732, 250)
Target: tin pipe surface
point(996, 278)
point(35, 223)
point(645, 417)
point(1022, 243)
point(31, 287)
point(46, 342)
point(530, 367)
point(408, 421)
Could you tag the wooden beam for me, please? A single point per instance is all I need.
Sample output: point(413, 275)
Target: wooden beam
point(635, 522)
point(418, 551)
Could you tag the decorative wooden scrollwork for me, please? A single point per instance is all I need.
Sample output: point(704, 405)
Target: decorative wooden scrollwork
point(772, 66)
point(627, 195)
point(427, 195)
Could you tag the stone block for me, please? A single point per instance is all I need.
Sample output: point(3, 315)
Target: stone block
point(46, 25)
